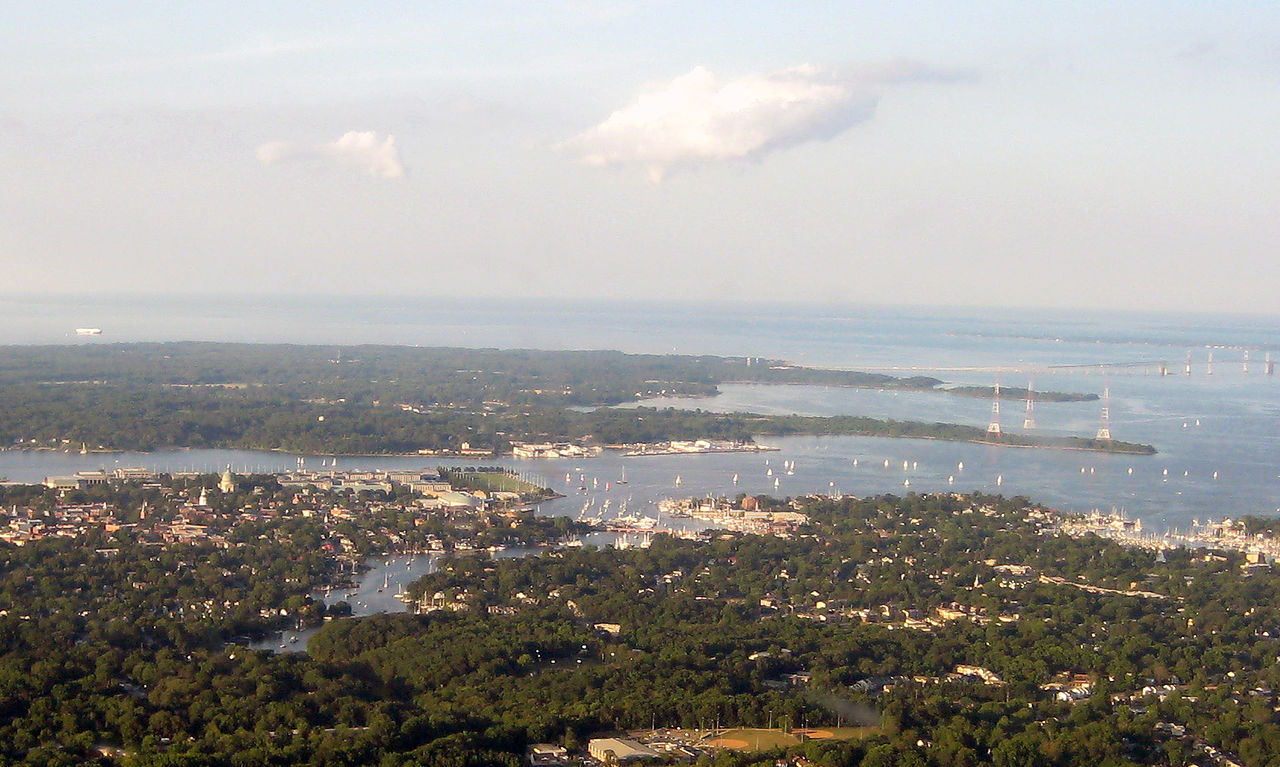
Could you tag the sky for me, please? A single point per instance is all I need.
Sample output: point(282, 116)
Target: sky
point(1078, 155)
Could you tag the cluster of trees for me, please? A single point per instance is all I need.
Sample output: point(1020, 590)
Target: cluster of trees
point(442, 376)
point(614, 425)
point(128, 649)
point(383, 399)
point(1019, 393)
point(1215, 634)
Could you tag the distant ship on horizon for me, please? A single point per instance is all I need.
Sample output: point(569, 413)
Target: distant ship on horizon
point(88, 331)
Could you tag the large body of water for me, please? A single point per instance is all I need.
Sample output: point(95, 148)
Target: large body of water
point(1227, 422)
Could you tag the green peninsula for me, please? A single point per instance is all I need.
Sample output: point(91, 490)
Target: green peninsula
point(392, 399)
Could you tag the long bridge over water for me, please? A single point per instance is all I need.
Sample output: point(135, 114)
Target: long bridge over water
point(1162, 367)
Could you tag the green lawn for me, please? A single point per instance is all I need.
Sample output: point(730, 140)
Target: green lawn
point(495, 482)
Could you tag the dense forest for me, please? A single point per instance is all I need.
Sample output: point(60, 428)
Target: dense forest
point(378, 399)
point(117, 653)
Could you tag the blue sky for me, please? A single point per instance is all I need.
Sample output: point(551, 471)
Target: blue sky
point(1062, 154)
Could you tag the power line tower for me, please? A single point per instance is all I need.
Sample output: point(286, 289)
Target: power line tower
point(1029, 420)
point(1104, 431)
point(993, 428)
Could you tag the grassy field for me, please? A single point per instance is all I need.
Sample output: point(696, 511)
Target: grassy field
point(495, 482)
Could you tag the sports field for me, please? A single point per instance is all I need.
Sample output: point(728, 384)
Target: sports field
point(493, 481)
point(751, 739)
point(748, 739)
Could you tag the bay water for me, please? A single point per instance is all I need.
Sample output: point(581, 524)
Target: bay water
point(1217, 433)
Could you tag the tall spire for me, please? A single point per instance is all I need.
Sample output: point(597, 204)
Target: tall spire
point(993, 428)
point(1029, 420)
point(1104, 431)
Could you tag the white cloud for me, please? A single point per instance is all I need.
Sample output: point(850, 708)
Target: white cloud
point(359, 149)
point(697, 118)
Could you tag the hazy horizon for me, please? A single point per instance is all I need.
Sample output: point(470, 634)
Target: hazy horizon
point(1008, 154)
point(808, 307)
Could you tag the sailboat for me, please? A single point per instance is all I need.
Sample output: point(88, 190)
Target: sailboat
point(623, 479)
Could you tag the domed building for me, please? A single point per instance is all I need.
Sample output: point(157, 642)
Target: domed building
point(228, 483)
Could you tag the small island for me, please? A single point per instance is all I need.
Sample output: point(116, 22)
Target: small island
point(1017, 393)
